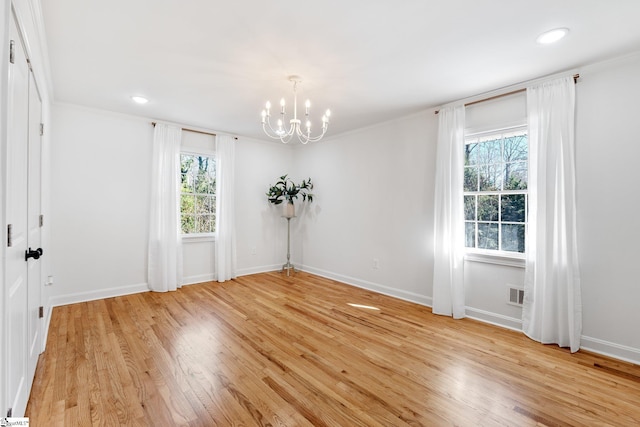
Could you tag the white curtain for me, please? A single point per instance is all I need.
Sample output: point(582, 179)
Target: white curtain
point(225, 208)
point(165, 246)
point(448, 278)
point(552, 311)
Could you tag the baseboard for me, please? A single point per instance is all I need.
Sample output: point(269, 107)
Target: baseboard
point(494, 318)
point(95, 295)
point(211, 277)
point(199, 278)
point(260, 269)
point(376, 287)
point(594, 345)
point(609, 349)
point(45, 327)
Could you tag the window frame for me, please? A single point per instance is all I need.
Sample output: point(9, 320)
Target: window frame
point(494, 256)
point(198, 237)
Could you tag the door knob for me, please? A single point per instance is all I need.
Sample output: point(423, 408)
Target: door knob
point(33, 254)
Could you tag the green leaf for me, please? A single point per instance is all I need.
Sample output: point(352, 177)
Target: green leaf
point(288, 190)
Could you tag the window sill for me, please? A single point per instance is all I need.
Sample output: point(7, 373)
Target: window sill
point(196, 238)
point(498, 259)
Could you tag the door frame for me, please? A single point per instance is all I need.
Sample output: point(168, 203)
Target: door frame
point(34, 218)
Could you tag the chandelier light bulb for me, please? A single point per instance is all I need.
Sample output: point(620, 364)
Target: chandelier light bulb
point(288, 127)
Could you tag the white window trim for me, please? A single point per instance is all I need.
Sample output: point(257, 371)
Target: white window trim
point(505, 258)
point(198, 151)
point(199, 237)
point(502, 129)
point(495, 257)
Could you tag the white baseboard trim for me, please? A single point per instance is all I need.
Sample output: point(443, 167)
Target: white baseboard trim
point(381, 289)
point(594, 345)
point(45, 327)
point(260, 269)
point(609, 349)
point(98, 294)
point(199, 278)
point(494, 319)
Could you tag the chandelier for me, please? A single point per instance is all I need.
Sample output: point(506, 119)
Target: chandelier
point(285, 132)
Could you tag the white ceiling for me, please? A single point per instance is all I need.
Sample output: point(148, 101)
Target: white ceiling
point(213, 64)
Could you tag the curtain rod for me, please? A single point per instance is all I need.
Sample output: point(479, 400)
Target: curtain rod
point(198, 131)
point(513, 92)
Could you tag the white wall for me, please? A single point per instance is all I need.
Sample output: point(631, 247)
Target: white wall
point(608, 149)
point(100, 186)
point(373, 201)
point(261, 232)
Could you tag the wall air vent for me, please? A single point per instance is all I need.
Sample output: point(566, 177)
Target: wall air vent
point(516, 295)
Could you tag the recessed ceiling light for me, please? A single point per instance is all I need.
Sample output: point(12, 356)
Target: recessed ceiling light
point(552, 36)
point(140, 99)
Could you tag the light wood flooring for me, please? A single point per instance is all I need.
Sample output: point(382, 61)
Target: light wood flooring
point(267, 350)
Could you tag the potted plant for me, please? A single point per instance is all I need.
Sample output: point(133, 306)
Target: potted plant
point(285, 190)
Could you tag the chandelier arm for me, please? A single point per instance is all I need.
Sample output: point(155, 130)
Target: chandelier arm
point(315, 138)
point(286, 138)
point(295, 126)
point(307, 136)
point(271, 133)
point(275, 132)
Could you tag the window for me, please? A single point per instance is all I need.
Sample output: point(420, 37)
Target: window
point(198, 193)
point(495, 190)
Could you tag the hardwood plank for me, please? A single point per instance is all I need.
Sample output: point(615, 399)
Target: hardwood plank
point(267, 350)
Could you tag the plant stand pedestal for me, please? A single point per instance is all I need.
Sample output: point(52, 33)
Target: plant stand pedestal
point(288, 266)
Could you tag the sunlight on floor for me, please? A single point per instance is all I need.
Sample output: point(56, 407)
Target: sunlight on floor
point(368, 307)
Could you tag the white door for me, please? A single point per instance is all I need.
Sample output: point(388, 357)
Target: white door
point(23, 193)
point(34, 239)
point(16, 320)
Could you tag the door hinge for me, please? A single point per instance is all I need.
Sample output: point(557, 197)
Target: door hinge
point(12, 54)
point(41, 312)
point(41, 129)
point(41, 220)
point(9, 236)
point(9, 412)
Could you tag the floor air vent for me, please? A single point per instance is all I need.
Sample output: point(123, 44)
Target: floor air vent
point(516, 296)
